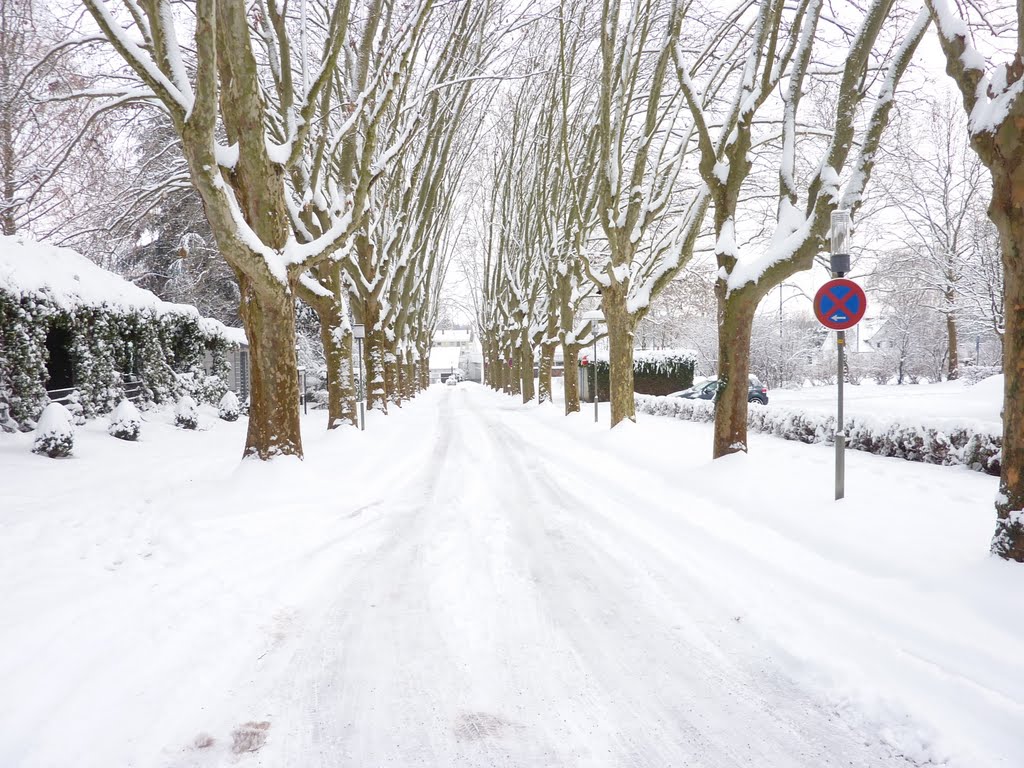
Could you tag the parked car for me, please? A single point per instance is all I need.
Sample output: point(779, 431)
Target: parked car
point(708, 390)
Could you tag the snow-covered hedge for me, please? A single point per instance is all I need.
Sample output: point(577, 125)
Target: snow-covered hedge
point(228, 408)
point(55, 434)
point(186, 414)
point(655, 371)
point(975, 373)
point(125, 421)
point(913, 441)
point(113, 330)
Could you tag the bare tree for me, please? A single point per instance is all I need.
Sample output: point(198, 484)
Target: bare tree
point(641, 144)
point(993, 97)
point(936, 183)
point(54, 149)
point(779, 59)
point(265, 83)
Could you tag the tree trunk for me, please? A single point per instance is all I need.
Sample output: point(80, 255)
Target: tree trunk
point(526, 368)
point(391, 375)
point(401, 383)
point(485, 348)
point(735, 325)
point(1007, 211)
point(570, 378)
point(423, 368)
point(547, 359)
point(412, 385)
point(269, 322)
point(494, 365)
point(341, 394)
point(621, 325)
point(374, 349)
point(951, 335)
point(514, 378)
point(8, 224)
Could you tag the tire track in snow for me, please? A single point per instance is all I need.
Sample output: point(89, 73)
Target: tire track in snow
point(685, 678)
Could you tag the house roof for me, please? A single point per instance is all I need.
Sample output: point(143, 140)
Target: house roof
point(453, 336)
point(67, 279)
point(444, 358)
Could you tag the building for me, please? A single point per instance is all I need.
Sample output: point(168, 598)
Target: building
point(456, 349)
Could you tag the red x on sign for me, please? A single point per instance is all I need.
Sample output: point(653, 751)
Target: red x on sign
point(839, 304)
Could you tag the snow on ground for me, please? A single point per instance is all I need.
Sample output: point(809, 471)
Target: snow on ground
point(948, 401)
point(472, 582)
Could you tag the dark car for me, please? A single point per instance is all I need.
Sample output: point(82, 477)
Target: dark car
point(708, 390)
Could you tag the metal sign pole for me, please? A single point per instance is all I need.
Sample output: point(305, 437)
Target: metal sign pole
point(359, 333)
point(840, 304)
point(362, 390)
point(840, 428)
point(596, 317)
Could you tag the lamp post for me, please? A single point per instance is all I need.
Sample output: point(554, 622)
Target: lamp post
point(302, 380)
point(359, 333)
point(840, 264)
point(596, 317)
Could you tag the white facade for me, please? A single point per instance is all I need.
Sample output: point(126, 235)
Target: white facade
point(456, 349)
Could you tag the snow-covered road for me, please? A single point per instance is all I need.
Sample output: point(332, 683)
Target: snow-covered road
point(469, 583)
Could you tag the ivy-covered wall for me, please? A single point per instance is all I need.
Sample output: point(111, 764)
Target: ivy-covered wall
point(107, 343)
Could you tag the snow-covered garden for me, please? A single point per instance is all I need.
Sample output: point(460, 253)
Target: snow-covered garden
point(510, 587)
point(347, 365)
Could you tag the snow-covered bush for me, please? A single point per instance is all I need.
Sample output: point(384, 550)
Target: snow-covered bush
point(977, 450)
point(319, 399)
point(975, 373)
point(7, 424)
point(125, 421)
point(186, 414)
point(228, 408)
point(55, 434)
point(201, 387)
point(75, 408)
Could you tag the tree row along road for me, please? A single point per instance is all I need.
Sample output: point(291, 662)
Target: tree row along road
point(501, 595)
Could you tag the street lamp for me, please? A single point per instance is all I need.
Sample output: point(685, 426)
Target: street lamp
point(840, 242)
point(596, 317)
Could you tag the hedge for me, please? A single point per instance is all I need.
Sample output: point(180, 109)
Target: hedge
point(105, 343)
point(979, 450)
point(655, 371)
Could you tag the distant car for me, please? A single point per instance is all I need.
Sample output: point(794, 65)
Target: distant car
point(708, 390)
point(451, 381)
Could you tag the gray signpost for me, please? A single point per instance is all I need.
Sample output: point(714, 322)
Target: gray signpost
point(359, 333)
point(595, 316)
point(840, 304)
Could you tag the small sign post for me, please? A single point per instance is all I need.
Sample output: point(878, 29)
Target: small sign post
point(840, 304)
point(359, 333)
point(596, 317)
